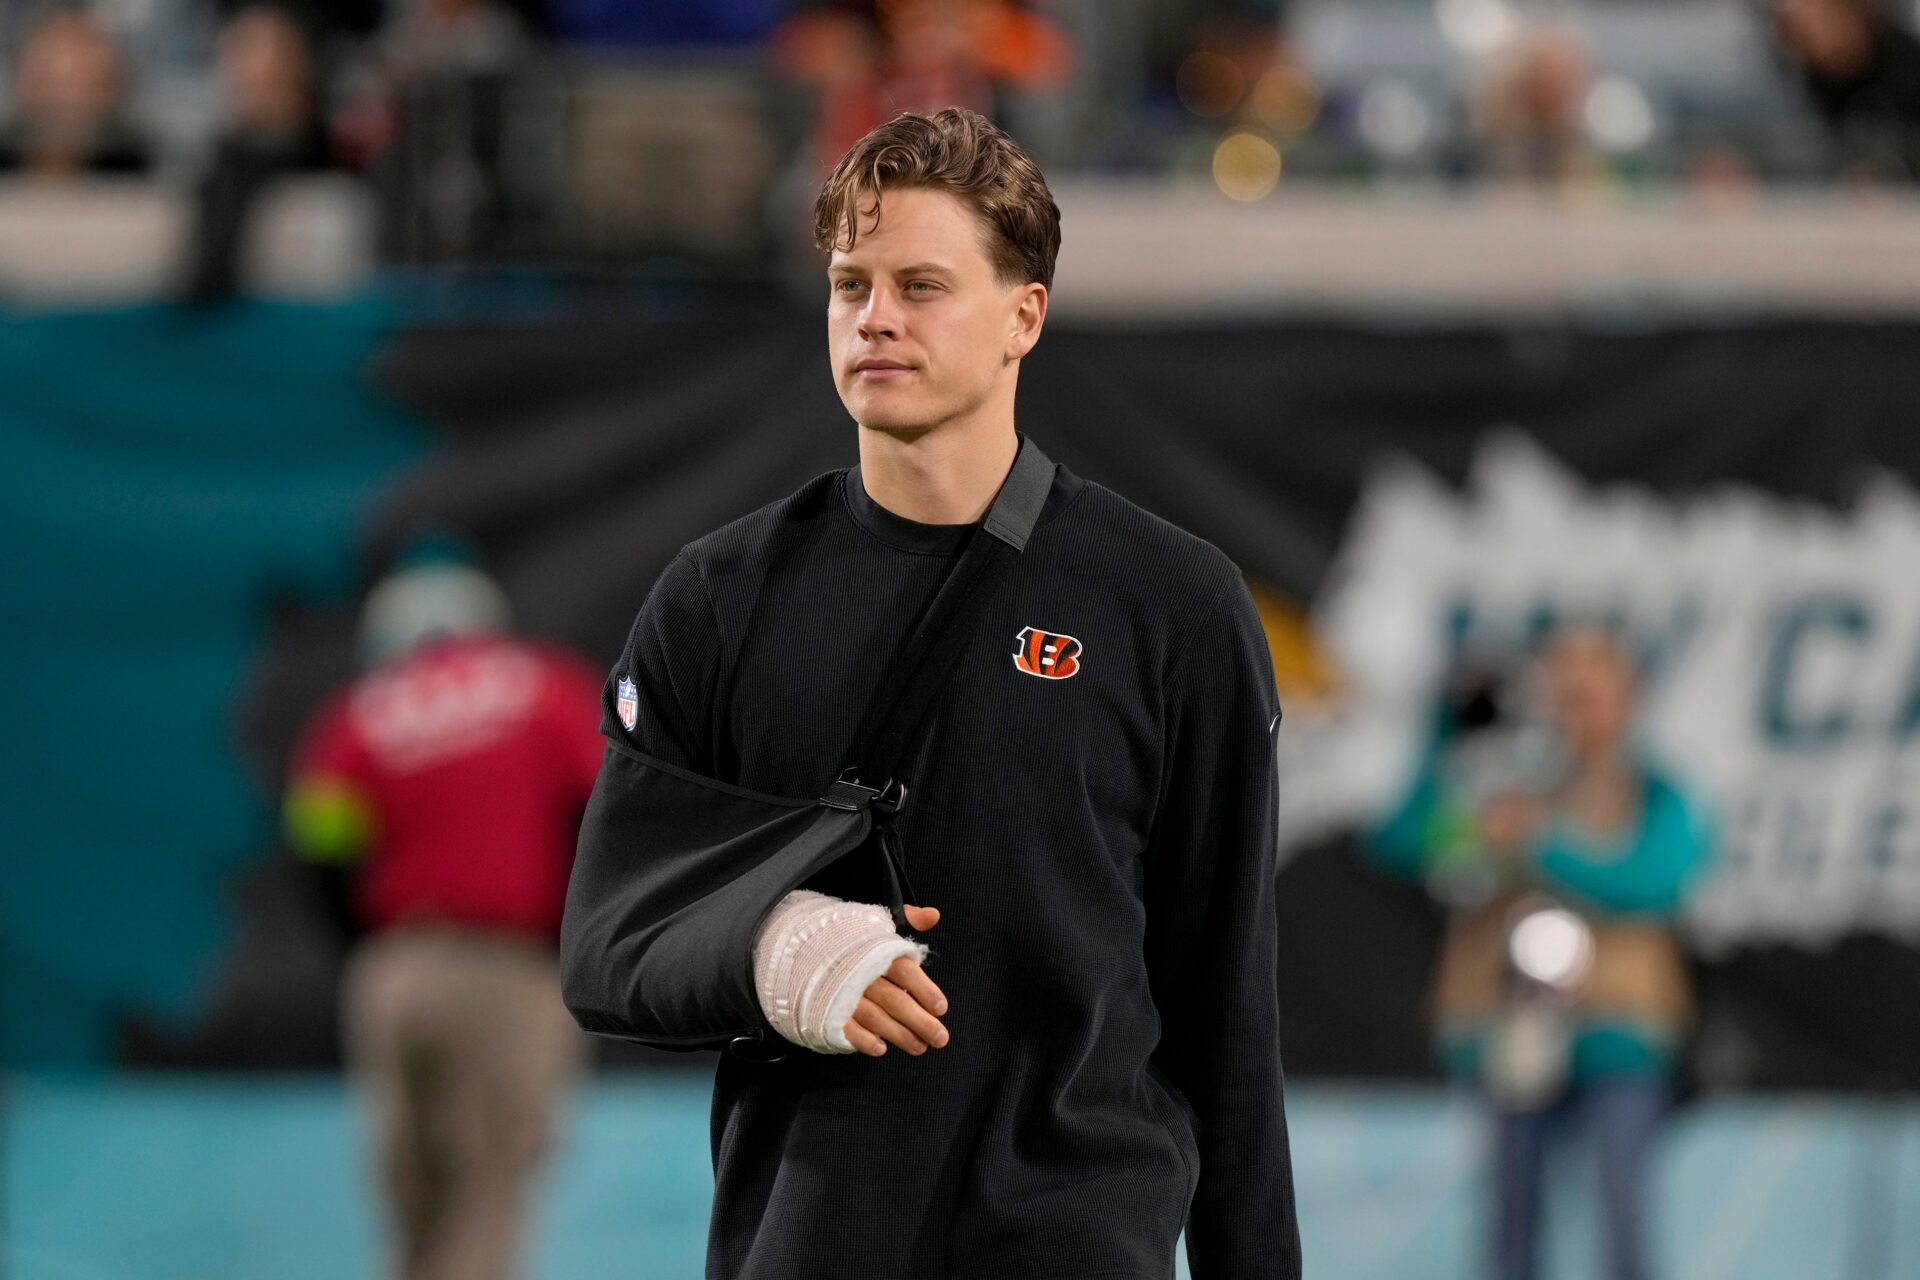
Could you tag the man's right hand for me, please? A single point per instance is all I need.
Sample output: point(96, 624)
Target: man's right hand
point(900, 1006)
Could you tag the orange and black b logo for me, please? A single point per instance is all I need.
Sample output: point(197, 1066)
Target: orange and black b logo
point(1046, 654)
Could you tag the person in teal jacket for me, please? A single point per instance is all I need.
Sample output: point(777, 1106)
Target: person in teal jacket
point(1564, 853)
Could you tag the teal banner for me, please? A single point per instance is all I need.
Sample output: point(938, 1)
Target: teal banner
point(165, 475)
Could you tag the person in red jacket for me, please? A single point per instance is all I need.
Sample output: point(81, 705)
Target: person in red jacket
point(448, 780)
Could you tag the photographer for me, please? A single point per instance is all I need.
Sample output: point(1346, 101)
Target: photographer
point(1564, 854)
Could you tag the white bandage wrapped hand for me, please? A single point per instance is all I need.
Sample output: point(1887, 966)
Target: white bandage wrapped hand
point(813, 959)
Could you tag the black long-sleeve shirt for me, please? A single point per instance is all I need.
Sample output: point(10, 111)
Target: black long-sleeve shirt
point(1100, 842)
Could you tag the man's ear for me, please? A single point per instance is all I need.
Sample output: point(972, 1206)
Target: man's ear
point(1029, 314)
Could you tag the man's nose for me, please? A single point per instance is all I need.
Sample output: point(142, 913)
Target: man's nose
point(881, 316)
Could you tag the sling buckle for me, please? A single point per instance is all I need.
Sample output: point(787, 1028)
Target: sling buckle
point(846, 793)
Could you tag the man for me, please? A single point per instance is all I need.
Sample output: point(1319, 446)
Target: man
point(1090, 816)
point(448, 781)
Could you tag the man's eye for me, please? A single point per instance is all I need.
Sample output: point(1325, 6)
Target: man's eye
point(928, 283)
point(841, 287)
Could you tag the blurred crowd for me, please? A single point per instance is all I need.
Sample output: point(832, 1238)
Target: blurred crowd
point(520, 131)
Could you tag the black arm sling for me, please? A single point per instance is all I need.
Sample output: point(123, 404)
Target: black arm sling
point(675, 872)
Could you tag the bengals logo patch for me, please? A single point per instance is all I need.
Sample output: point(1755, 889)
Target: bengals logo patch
point(1046, 654)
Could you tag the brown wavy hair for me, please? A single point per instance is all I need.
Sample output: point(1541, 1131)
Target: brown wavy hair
point(953, 150)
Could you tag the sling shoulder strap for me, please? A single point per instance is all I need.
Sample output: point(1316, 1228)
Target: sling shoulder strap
point(917, 672)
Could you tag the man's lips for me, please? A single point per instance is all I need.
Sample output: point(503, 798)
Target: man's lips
point(881, 370)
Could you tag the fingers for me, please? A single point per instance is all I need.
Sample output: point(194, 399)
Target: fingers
point(890, 1014)
point(911, 978)
point(922, 917)
point(902, 1006)
point(864, 1040)
point(877, 1020)
point(907, 1012)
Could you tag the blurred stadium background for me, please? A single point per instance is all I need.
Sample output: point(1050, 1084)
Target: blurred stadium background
point(1444, 318)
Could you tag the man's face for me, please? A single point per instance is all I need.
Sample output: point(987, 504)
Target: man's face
point(919, 330)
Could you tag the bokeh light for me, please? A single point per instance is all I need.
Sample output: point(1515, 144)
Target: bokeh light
point(1209, 84)
point(1618, 115)
point(1393, 118)
point(1286, 100)
point(1554, 947)
point(1246, 166)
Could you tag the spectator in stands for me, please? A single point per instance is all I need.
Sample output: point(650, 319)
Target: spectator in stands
point(273, 127)
point(1530, 109)
point(863, 62)
point(433, 119)
point(440, 794)
point(1580, 1010)
point(1861, 71)
point(68, 114)
point(835, 56)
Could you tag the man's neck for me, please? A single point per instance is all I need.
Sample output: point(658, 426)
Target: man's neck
point(940, 477)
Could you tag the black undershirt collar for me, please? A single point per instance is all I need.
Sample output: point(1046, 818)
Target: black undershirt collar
point(903, 534)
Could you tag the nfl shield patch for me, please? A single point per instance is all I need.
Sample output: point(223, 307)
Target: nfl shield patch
point(628, 702)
